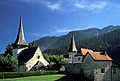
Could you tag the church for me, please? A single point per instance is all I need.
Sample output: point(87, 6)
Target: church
point(29, 59)
point(97, 66)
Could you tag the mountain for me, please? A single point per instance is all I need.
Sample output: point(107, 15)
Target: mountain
point(54, 42)
point(51, 42)
point(109, 41)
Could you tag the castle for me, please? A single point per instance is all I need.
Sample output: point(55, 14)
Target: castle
point(29, 59)
point(96, 66)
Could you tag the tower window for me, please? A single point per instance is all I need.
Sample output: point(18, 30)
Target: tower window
point(102, 70)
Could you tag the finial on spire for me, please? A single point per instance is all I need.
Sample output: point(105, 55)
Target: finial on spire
point(21, 12)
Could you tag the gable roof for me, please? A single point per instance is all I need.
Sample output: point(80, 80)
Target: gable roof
point(26, 55)
point(97, 56)
point(84, 51)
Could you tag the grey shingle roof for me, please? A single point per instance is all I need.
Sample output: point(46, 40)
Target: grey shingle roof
point(26, 55)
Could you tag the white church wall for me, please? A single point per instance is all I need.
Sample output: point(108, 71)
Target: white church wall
point(37, 57)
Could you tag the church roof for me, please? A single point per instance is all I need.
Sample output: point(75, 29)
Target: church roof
point(83, 51)
point(20, 37)
point(26, 55)
point(72, 45)
point(97, 56)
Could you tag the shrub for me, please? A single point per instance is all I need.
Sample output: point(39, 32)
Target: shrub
point(25, 74)
point(57, 61)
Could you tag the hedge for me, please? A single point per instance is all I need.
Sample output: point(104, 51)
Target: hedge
point(25, 74)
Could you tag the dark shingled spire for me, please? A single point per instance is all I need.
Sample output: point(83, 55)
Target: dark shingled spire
point(20, 41)
point(72, 45)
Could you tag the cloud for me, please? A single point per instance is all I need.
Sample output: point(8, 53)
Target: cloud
point(39, 34)
point(91, 6)
point(70, 5)
point(49, 4)
point(99, 5)
point(55, 6)
point(36, 34)
point(63, 30)
point(78, 5)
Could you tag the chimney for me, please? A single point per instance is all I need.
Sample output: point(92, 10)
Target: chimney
point(104, 52)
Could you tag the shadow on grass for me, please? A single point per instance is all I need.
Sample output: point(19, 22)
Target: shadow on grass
point(73, 78)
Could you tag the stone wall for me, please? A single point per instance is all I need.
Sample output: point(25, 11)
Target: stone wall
point(103, 65)
point(91, 69)
point(116, 76)
point(73, 68)
point(88, 67)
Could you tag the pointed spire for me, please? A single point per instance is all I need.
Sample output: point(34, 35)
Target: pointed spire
point(72, 45)
point(20, 41)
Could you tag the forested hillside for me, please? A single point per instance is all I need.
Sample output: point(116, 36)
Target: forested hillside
point(109, 41)
point(51, 42)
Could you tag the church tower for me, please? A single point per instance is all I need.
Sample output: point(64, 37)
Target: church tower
point(20, 43)
point(72, 49)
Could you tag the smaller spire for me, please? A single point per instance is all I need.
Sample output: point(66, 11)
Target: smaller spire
point(72, 45)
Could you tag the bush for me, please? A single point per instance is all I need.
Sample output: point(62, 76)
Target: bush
point(25, 74)
point(57, 61)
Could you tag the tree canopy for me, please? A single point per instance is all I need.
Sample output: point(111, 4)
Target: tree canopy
point(8, 63)
point(32, 44)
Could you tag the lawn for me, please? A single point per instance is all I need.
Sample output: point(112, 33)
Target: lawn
point(53, 77)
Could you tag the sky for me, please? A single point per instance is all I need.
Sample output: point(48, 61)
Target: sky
point(54, 17)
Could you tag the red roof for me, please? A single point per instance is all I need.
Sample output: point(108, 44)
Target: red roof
point(84, 51)
point(98, 56)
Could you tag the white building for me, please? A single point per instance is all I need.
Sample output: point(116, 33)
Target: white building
point(28, 58)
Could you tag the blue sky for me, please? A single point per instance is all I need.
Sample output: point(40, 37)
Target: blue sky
point(54, 17)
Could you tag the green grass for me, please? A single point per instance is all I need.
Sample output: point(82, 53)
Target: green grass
point(52, 77)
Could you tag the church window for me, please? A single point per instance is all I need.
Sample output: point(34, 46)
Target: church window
point(102, 70)
point(38, 57)
point(114, 71)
